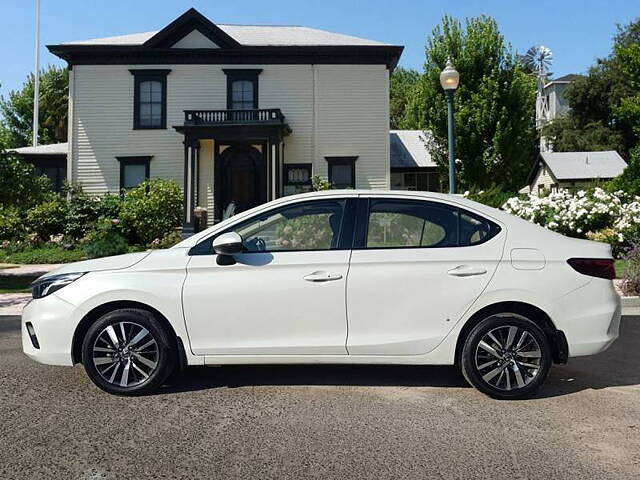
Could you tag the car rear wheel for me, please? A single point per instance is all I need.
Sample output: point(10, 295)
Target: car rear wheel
point(506, 356)
point(127, 352)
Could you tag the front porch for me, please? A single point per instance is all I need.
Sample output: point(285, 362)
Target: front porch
point(244, 149)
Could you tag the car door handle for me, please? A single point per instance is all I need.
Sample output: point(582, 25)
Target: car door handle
point(466, 271)
point(322, 276)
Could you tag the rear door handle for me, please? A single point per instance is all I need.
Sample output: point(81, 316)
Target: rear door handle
point(322, 276)
point(466, 271)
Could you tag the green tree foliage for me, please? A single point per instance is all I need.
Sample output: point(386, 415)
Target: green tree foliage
point(495, 104)
point(19, 185)
point(605, 104)
point(402, 87)
point(17, 111)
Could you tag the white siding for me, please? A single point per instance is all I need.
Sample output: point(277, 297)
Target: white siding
point(544, 178)
point(333, 110)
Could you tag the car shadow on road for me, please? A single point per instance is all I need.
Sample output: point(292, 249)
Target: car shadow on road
point(617, 367)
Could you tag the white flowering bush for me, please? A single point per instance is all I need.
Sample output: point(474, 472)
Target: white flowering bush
point(596, 214)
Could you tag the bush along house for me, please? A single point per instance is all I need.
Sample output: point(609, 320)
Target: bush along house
point(236, 114)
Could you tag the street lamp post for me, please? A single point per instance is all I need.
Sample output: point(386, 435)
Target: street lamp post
point(449, 79)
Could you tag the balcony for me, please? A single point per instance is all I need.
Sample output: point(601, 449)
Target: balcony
point(262, 116)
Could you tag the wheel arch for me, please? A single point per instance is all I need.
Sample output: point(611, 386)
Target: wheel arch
point(556, 337)
point(97, 312)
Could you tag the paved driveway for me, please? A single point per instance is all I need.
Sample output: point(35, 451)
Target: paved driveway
point(321, 422)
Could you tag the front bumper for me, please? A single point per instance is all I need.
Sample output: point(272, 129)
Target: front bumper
point(50, 320)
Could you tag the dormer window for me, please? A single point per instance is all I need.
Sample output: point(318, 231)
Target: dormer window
point(242, 88)
point(150, 99)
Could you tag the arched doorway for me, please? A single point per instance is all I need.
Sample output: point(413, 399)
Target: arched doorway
point(242, 172)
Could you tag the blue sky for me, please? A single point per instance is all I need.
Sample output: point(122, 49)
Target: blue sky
point(578, 31)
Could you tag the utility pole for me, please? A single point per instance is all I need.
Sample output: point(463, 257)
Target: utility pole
point(36, 79)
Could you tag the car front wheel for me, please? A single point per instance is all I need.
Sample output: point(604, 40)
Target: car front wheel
point(506, 356)
point(127, 352)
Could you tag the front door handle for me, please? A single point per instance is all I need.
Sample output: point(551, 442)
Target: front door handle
point(322, 276)
point(466, 271)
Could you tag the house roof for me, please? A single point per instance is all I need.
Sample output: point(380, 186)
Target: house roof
point(584, 165)
point(409, 149)
point(51, 149)
point(252, 35)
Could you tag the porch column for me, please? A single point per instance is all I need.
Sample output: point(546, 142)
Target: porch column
point(191, 148)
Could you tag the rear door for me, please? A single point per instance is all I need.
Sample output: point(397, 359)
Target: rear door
point(416, 267)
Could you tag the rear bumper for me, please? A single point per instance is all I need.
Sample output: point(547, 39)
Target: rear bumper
point(50, 320)
point(590, 318)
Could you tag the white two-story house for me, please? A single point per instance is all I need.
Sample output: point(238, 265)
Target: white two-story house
point(236, 114)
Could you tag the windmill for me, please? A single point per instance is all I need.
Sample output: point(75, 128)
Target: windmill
point(539, 59)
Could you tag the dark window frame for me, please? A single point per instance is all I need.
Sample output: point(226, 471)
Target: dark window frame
point(134, 160)
point(345, 236)
point(143, 75)
point(364, 210)
point(335, 161)
point(296, 166)
point(234, 74)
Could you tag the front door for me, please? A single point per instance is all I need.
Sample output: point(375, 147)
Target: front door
point(243, 178)
point(417, 268)
point(284, 295)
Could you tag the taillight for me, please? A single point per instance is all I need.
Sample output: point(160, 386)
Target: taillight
point(594, 267)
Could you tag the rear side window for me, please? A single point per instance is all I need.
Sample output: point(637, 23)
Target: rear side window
point(414, 224)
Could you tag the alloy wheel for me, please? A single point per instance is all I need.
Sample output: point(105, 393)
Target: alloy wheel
point(508, 357)
point(125, 354)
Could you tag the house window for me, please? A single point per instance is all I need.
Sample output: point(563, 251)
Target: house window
point(149, 98)
point(242, 88)
point(342, 172)
point(133, 171)
point(297, 178)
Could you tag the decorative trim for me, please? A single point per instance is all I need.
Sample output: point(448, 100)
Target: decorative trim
point(134, 160)
point(266, 55)
point(140, 76)
point(350, 161)
point(250, 74)
point(184, 24)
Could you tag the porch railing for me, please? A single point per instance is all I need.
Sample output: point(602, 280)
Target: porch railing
point(221, 117)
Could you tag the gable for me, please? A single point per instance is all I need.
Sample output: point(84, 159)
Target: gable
point(194, 39)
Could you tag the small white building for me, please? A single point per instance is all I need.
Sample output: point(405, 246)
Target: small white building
point(572, 170)
point(554, 104)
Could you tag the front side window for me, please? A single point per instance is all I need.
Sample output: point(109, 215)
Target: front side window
point(410, 223)
point(305, 226)
point(150, 99)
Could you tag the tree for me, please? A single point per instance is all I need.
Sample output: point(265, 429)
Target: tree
point(16, 125)
point(605, 104)
point(495, 104)
point(401, 89)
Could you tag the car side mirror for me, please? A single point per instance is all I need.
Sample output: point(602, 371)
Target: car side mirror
point(229, 243)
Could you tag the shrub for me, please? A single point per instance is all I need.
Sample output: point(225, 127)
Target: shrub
point(631, 280)
point(11, 225)
point(82, 212)
point(19, 184)
point(44, 254)
point(109, 206)
point(319, 184)
point(492, 196)
point(47, 218)
point(104, 240)
point(167, 241)
point(151, 210)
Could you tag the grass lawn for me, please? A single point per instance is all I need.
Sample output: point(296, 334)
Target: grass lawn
point(15, 283)
point(44, 254)
point(621, 266)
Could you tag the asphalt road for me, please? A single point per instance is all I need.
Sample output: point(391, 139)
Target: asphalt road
point(321, 422)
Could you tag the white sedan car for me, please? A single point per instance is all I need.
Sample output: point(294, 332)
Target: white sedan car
point(358, 277)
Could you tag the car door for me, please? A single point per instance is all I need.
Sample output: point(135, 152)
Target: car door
point(285, 294)
point(416, 267)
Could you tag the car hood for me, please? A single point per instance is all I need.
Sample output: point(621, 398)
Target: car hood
point(117, 262)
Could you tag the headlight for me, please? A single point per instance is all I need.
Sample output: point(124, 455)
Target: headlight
point(42, 288)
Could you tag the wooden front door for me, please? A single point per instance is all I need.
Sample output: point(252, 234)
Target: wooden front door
point(242, 178)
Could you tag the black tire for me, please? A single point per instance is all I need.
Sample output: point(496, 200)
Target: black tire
point(162, 354)
point(507, 377)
